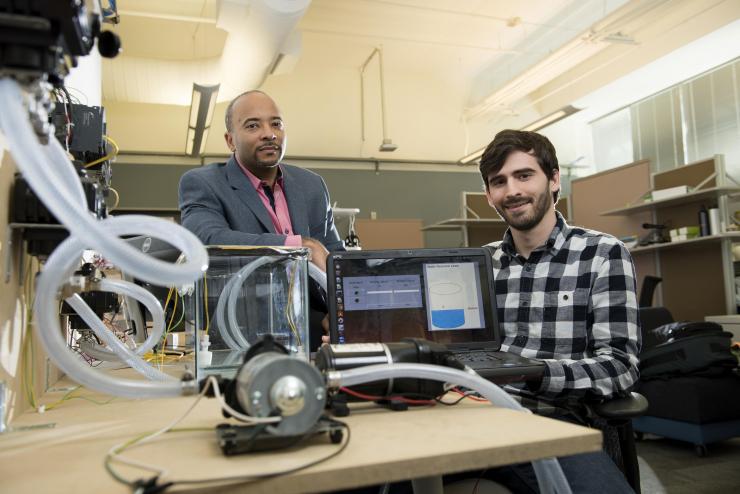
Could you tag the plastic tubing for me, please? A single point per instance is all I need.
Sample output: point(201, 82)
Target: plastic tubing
point(233, 295)
point(228, 324)
point(550, 477)
point(120, 349)
point(133, 293)
point(55, 181)
point(235, 341)
point(56, 190)
point(59, 267)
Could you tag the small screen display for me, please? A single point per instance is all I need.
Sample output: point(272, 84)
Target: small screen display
point(445, 299)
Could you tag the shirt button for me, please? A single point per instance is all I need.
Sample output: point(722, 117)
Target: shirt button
point(528, 268)
point(287, 232)
point(525, 303)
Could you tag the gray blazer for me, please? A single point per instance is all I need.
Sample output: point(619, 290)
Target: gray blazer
point(220, 206)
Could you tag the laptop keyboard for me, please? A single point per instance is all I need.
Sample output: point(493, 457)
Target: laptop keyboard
point(474, 359)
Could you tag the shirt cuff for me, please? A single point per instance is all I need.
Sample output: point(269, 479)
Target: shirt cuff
point(293, 241)
point(553, 381)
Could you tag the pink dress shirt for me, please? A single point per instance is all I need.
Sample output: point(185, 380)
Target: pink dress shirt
point(280, 216)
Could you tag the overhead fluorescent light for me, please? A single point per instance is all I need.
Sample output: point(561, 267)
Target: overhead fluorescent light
point(202, 106)
point(620, 38)
point(551, 118)
point(472, 157)
point(538, 124)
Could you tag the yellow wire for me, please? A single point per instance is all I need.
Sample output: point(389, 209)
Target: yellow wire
point(107, 156)
point(118, 199)
point(169, 326)
point(205, 302)
point(29, 357)
point(68, 396)
point(288, 315)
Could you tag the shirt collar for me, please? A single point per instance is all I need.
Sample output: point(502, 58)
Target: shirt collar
point(554, 242)
point(256, 182)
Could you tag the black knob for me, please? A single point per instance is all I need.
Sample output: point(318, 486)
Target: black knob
point(109, 44)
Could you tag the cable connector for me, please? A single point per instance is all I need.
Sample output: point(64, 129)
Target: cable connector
point(205, 356)
point(149, 486)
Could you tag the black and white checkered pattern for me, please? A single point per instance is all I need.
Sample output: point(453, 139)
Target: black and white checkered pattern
point(572, 304)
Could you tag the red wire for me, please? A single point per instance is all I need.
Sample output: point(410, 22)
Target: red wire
point(363, 396)
point(470, 397)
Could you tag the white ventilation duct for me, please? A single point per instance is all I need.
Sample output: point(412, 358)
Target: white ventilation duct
point(258, 35)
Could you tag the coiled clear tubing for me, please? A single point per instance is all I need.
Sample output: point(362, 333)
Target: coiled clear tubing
point(121, 351)
point(53, 178)
point(550, 477)
point(226, 319)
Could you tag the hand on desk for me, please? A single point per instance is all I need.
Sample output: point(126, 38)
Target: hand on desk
point(318, 252)
point(325, 325)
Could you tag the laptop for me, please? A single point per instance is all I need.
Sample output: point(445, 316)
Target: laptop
point(442, 295)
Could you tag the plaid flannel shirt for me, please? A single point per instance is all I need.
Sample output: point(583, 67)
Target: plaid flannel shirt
point(573, 305)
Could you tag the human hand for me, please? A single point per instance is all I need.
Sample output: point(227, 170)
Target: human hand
point(325, 340)
point(318, 252)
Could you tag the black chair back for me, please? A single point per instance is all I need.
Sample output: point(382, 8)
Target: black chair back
point(649, 284)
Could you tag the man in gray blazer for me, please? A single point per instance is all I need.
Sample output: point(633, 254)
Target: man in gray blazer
point(253, 198)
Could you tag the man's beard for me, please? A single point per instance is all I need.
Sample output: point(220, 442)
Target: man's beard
point(273, 162)
point(542, 204)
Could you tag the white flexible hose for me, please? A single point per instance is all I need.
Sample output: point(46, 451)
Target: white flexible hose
point(550, 477)
point(121, 350)
point(60, 266)
point(60, 188)
point(55, 181)
point(134, 293)
point(236, 282)
point(235, 340)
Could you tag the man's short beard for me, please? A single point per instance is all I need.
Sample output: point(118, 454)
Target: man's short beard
point(542, 205)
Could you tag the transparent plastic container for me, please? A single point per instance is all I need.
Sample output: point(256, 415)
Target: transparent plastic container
point(246, 293)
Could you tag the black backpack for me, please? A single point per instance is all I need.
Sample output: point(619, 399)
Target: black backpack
point(682, 348)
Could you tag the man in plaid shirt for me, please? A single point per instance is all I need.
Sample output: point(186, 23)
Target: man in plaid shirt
point(565, 295)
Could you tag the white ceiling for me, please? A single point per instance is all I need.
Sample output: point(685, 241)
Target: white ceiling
point(455, 40)
point(502, 62)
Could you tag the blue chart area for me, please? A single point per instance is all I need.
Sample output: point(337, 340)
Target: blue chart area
point(453, 296)
point(448, 319)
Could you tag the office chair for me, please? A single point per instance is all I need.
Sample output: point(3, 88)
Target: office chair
point(693, 408)
point(614, 417)
point(649, 284)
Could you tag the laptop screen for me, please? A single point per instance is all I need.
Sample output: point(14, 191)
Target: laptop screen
point(443, 295)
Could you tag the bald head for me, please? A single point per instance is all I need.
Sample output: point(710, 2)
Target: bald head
point(229, 118)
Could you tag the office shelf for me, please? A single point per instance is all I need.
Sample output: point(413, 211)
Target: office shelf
point(733, 236)
point(710, 193)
